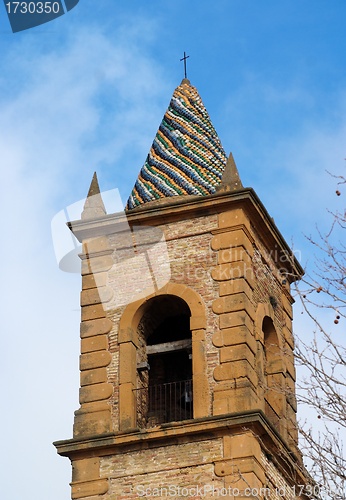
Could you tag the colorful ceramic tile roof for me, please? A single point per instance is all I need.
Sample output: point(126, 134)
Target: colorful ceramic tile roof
point(186, 157)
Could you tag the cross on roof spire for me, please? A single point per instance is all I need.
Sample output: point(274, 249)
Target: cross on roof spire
point(184, 59)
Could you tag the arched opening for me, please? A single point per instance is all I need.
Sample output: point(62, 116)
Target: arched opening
point(273, 370)
point(134, 331)
point(164, 362)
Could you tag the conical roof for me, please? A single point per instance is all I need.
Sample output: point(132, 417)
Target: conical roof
point(186, 157)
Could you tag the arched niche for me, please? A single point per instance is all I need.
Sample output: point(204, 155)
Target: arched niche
point(274, 394)
point(272, 367)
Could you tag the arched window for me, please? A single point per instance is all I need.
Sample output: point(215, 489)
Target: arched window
point(164, 362)
point(273, 370)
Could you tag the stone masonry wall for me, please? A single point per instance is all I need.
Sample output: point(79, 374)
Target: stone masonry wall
point(223, 259)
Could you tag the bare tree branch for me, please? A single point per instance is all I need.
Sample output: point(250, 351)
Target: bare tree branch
point(323, 358)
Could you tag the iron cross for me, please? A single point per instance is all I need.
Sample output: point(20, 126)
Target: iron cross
point(184, 59)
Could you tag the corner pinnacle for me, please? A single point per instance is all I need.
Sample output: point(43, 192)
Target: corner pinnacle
point(230, 178)
point(93, 206)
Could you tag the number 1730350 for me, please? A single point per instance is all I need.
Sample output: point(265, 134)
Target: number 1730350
point(33, 7)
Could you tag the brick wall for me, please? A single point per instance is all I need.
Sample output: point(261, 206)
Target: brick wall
point(187, 465)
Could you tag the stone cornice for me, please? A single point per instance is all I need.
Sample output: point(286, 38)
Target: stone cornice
point(167, 432)
point(255, 421)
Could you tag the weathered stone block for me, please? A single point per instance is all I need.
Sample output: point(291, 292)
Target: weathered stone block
point(127, 335)
point(235, 399)
point(234, 370)
point(236, 353)
point(92, 424)
point(235, 242)
point(236, 302)
point(234, 270)
point(289, 362)
point(127, 368)
point(98, 343)
point(231, 255)
point(241, 445)
point(233, 336)
point(287, 334)
point(223, 405)
point(198, 322)
point(275, 364)
point(93, 407)
point(97, 359)
point(232, 218)
point(201, 396)
point(89, 488)
point(292, 402)
point(292, 428)
point(238, 318)
point(198, 336)
point(235, 286)
point(92, 312)
point(276, 398)
point(95, 392)
point(94, 280)
point(290, 392)
point(94, 245)
point(287, 302)
point(96, 376)
point(96, 296)
point(127, 407)
point(95, 327)
point(86, 469)
point(97, 264)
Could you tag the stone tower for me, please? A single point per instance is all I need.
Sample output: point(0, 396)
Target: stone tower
point(187, 365)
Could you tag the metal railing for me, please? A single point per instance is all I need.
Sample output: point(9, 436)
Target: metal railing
point(159, 404)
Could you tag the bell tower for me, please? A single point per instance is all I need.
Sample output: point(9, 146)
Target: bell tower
point(187, 364)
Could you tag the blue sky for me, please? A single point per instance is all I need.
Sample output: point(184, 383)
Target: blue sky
point(87, 92)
